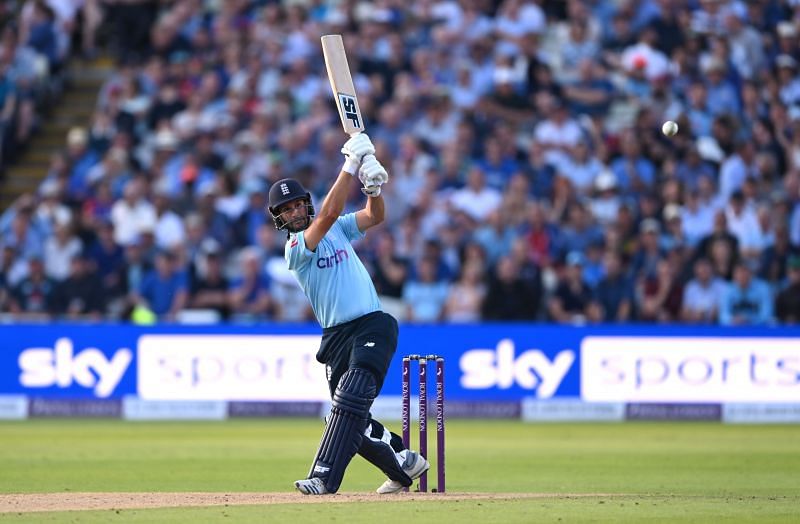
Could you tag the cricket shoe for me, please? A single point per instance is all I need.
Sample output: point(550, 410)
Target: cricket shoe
point(414, 465)
point(312, 486)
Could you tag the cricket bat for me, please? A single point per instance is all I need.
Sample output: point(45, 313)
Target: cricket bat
point(342, 84)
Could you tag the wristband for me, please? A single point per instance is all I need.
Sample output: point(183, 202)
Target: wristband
point(350, 166)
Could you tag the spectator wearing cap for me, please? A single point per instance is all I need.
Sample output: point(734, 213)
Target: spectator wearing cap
point(33, 297)
point(81, 159)
point(164, 290)
point(746, 301)
point(722, 95)
point(788, 80)
point(50, 210)
point(786, 43)
point(702, 295)
point(81, 294)
point(787, 302)
point(645, 55)
point(612, 298)
point(571, 301)
point(248, 294)
point(606, 201)
point(505, 101)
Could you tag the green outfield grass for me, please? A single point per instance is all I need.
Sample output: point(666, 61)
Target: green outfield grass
point(632, 472)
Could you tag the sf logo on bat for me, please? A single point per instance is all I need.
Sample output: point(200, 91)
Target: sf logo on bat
point(348, 105)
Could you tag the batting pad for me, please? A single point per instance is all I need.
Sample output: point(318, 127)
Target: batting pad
point(345, 429)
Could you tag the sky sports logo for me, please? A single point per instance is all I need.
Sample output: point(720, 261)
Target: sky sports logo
point(63, 367)
point(690, 369)
point(502, 368)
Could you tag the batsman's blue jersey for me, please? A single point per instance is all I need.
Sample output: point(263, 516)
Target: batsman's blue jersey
point(332, 277)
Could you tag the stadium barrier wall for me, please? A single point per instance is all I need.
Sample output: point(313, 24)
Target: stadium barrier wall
point(528, 371)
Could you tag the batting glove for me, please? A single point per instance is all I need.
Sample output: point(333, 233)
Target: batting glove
point(373, 175)
point(354, 151)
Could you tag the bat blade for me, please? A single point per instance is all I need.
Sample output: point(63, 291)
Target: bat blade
point(342, 84)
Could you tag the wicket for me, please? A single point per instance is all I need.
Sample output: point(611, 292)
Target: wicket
point(423, 413)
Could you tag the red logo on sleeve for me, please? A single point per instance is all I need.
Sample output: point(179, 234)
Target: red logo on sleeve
point(294, 243)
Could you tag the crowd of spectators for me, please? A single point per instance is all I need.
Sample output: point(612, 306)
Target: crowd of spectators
point(34, 43)
point(529, 176)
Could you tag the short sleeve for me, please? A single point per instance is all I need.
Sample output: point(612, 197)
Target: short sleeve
point(349, 226)
point(297, 255)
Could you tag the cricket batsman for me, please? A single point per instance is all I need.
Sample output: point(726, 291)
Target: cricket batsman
point(358, 339)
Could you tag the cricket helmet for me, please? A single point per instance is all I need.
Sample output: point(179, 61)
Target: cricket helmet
point(282, 192)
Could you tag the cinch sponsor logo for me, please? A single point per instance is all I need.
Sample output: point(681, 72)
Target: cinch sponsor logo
point(690, 369)
point(333, 260)
point(60, 366)
point(501, 368)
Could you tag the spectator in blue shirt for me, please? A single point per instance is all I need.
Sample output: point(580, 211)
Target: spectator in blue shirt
point(425, 295)
point(702, 295)
point(613, 296)
point(746, 301)
point(249, 294)
point(634, 172)
point(165, 289)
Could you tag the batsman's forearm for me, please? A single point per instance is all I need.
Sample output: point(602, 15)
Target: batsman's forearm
point(376, 209)
point(334, 202)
